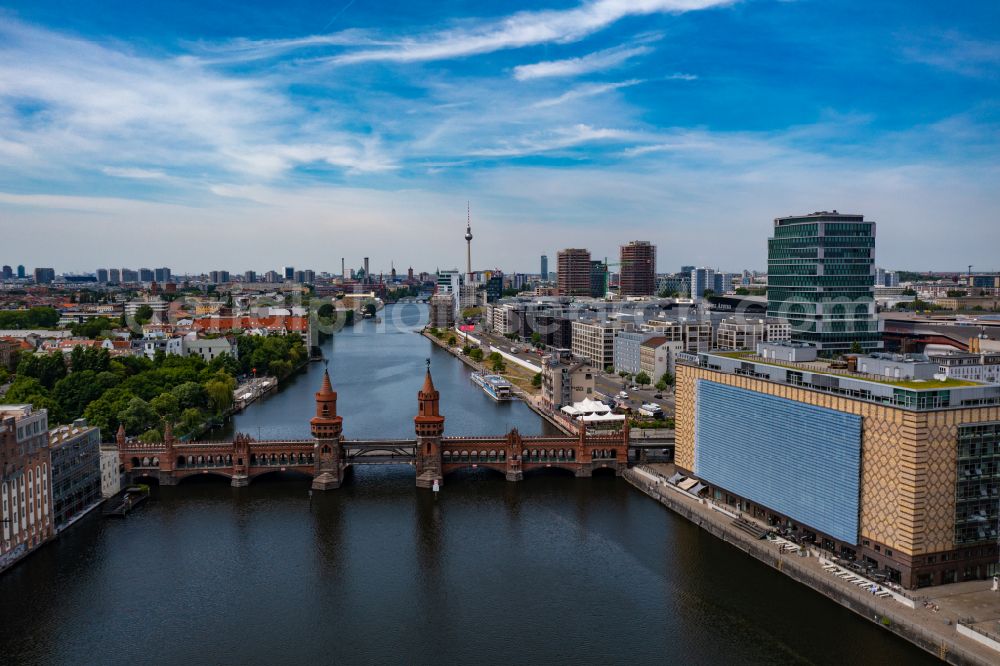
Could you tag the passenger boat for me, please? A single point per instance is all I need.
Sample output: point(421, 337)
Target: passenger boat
point(494, 386)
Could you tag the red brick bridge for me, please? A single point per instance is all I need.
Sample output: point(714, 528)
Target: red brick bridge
point(327, 455)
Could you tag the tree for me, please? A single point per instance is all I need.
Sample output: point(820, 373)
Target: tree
point(661, 385)
point(138, 416)
point(46, 368)
point(94, 328)
point(495, 356)
point(190, 395)
point(151, 436)
point(956, 293)
point(143, 314)
point(536, 380)
point(856, 348)
point(642, 379)
point(609, 369)
point(166, 406)
point(498, 365)
point(667, 379)
point(452, 340)
point(220, 395)
point(476, 354)
point(190, 421)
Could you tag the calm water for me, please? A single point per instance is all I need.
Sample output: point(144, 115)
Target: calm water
point(554, 570)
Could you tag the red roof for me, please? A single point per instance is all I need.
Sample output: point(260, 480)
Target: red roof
point(273, 324)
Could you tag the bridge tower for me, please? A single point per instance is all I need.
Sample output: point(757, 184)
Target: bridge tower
point(327, 431)
point(429, 425)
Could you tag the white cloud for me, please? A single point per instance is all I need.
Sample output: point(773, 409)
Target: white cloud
point(587, 90)
point(558, 139)
point(136, 173)
point(527, 28)
point(592, 62)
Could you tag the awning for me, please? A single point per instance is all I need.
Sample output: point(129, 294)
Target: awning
point(697, 489)
point(675, 478)
point(687, 483)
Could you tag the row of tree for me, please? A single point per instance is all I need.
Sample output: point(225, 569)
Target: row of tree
point(143, 394)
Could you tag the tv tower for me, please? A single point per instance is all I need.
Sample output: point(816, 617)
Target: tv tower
point(468, 242)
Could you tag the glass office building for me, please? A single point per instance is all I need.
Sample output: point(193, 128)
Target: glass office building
point(821, 279)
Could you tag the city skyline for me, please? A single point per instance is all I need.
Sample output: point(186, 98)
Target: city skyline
point(179, 137)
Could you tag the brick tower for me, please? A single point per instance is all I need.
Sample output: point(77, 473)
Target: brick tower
point(429, 425)
point(327, 431)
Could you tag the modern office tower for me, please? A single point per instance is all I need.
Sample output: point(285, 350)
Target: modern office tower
point(129, 275)
point(886, 466)
point(20, 273)
point(162, 275)
point(573, 265)
point(598, 279)
point(595, 341)
point(449, 282)
point(884, 278)
point(309, 276)
point(250, 277)
point(7, 272)
point(145, 275)
point(367, 270)
point(545, 267)
point(114, 276)
point(272, 277)
point(219, 277)
point(289, 272)
point(821, 277)
point(702, 279)
point(638, 269)
point(686, 270)
point(102, 275)
point(300, 277)
point(44, 275)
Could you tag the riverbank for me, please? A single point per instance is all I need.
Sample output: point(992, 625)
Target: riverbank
point(929, 629)
point(532, 401)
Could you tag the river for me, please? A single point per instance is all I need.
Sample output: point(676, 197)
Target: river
point(553, 570)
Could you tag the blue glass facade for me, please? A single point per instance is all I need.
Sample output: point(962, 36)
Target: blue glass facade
point(797, 459)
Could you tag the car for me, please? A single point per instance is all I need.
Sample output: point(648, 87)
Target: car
point(623, 395)
point(658, 396)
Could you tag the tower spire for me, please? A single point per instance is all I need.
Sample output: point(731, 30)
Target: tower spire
point(468, 241)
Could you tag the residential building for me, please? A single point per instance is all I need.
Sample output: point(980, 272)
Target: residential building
point(250, 277)
point(76, 471)
point(657, 356)
point(968, 366)
point(129, 275)
point(209, 348)
point(111, 475)
point(574, 272)
point(595, 342)
point(102, 275)
point(10, 349)
point(171, 346)
point(162, 275)
point(145, 275)
point(626, 350)
point(638, 269)
point(696, 335)
point(442, 311)
point(896, 474)
point(821, 279)
point(114, 276)
point(272, 277)
point(566, 383)
point(6, 273)
point(219, 277)
point(289, 273)
point(25, 482)
point(702, 280)
point(736, 333)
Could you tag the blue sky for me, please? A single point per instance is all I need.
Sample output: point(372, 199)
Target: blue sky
point(250, 135)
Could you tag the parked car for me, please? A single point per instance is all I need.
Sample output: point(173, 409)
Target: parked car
point(623, 395)
point(658, 396)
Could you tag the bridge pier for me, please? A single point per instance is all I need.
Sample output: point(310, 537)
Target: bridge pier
point(583, 471)
point(514, 475)
point(240, 481)
point(327, 481)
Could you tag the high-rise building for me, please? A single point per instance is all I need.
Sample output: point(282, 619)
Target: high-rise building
point(545, 267)
point(145, 275)
point(686, 270)
point(20, 273)
point(598, 279)
point(218, 277)
point(250, 277)
point(821, 279)
point(7, 272)
point(638, 269)
point(272, 277)
point(309, 276)
point(162, 275)
point(76, 470)
point(289, 272)
point(702, 280)
point(129, 275)
point(102, 275)
point(368, 274)
point(573, 265)
point(45, 275)
point(114, 276)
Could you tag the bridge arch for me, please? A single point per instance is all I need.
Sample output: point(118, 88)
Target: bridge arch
point(290, 474)
point(208, 476)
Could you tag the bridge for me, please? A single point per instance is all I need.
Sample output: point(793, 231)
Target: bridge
point(327, 455)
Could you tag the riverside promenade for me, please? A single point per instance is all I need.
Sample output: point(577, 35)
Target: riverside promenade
point(932, 622)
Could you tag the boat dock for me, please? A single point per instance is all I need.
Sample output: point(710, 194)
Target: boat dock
point(124, 502)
